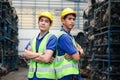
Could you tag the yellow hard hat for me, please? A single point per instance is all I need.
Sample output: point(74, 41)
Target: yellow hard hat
point(46, 14)
point(67, 11)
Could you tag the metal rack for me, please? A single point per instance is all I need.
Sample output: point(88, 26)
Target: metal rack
point(8, 36)
point(107, 55)
point(104, 52)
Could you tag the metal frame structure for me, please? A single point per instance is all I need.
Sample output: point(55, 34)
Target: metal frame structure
point(28, 10)
point(8, 36)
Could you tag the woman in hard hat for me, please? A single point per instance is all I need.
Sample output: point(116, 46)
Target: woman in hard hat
point(41, 49)
point(68, 56)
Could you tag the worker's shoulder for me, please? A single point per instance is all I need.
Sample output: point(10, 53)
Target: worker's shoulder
point(60, 34)
point(53, 36)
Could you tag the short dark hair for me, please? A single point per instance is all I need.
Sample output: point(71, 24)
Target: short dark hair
point(69, 14)
point(46, 17)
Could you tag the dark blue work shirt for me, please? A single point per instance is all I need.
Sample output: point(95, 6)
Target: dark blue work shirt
point(51, 45)
point(65, 44)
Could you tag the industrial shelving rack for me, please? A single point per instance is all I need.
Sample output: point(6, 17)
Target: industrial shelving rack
point(107, 41)
point(107, 55)
point(88, 29)
point(8, 36)
point(104, 52)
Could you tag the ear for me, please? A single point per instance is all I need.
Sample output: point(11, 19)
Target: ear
point(62, 20)
point(50, 24)
point(38, 22)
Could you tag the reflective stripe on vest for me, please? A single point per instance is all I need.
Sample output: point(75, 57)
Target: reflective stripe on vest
point(42, 69)
point(64, 67)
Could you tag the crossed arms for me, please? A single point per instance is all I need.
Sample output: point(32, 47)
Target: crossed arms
point(38, 57)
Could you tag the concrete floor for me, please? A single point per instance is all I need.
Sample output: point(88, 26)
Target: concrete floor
point(21, 74)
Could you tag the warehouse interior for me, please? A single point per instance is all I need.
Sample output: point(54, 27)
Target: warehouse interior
point(97, 30)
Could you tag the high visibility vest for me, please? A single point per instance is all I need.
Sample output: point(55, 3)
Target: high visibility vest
point(42, 70)
point(64, 67)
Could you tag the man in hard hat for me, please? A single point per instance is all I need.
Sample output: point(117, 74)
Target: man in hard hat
point(40, 50)
point(68, 51)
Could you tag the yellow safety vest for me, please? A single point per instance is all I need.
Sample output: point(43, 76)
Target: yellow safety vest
point(43, 70)
point(64, 67)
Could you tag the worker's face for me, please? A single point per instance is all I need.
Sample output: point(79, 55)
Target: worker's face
point(44, 24)
point(69, 21)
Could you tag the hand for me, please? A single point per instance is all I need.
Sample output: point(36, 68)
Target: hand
point(67, 57)
point(29, 48)
point(51, 60)
point(80, 50)
point(25, 55)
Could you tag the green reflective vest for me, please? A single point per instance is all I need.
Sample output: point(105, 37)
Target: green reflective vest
point(42, 70)
point(64, 67)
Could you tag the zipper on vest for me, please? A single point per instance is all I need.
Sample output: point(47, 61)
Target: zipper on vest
point(36, 67)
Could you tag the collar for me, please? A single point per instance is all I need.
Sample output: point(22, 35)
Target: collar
point(38, 37)
point(62, 29)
